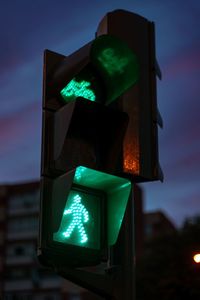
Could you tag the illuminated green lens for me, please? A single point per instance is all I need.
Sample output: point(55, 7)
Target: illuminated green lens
point(113, 68)
point(80, 223)
point(117, 191)
point(76, 89)
point(113, 61)
point(116, 63)
point(93, 209)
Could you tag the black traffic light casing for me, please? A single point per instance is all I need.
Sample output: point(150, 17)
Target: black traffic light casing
point(82, 133)
point(107, 133)
point(92, 128)
point(78, 135)
point(140, 147)
point(55, 253)
point(99, 136)
point(103, 198)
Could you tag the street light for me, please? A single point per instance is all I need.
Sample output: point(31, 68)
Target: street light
point(196, 258)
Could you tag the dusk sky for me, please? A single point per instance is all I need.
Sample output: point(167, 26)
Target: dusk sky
point(29, 27)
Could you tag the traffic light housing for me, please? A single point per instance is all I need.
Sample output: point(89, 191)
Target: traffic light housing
point(83, 136)
point(100, 71)
point(140, 157)
point(82, 212)
point(99, 136)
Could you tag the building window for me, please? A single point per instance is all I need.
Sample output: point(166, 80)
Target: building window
point(17, 273)
point(25, 224)
point(148, 230)
point(74, 297)
point(2, 213)
point(47, 296)
point(2, 237)
point(20, 249)
point(18, 296)
point(24, 202)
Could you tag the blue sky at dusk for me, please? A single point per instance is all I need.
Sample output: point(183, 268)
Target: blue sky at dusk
point(29, 27)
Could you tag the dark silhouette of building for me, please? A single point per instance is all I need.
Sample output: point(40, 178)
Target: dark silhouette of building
point(157, 224)
point(21, 276)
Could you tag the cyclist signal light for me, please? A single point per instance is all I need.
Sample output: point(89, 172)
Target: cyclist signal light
point(110, 66)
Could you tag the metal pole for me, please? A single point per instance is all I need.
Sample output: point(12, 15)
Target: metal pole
point(123, 256)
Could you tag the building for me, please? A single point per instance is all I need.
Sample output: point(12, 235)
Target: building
point(157, 224)
point(21, 277)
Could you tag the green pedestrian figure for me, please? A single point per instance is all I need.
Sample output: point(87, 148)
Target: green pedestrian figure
point(80, 215)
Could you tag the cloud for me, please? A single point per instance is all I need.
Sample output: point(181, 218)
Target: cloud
point(20, 87)
point(185, 62)
point(20, 149)
point(20, 129)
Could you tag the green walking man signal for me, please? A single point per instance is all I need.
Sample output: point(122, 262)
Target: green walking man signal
point(79, 215)
point(72, 222)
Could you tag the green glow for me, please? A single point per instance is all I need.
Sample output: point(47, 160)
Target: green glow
point(76, 89)
point(113, 61)
point(80, 216)
point(117, 191)
point(80, 172)
point(80, 223)
point(116, 63)
point(93, 200)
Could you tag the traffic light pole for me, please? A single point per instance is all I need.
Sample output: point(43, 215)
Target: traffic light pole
point(123, 255)
point(118, 281)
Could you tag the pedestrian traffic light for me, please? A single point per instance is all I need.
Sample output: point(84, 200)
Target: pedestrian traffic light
point(83, 195)
point(99, 136)
point(82, 213)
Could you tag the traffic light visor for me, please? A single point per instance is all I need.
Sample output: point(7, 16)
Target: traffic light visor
point(116, 190)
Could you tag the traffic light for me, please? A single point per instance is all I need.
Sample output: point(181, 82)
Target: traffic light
point(140, 157)
point(81, 216)
point(83, 194)
point(99, 136)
